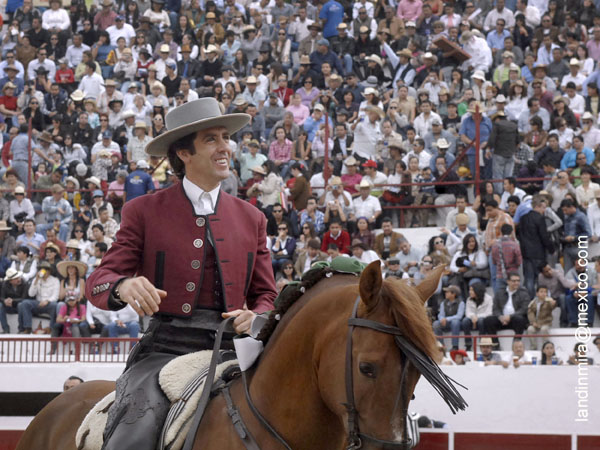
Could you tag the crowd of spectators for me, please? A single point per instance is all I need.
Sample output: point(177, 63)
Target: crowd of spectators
point(391, 92)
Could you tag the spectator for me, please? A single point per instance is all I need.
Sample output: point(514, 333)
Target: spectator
point(539, 314)
point(138, 182)
point(282, 248)
point(549, 355)
point(519, 357)
point(575, 226)
point(452, 311)
point(487, 356)
point(478, 306)
point(336, 236)
point(307, 258)
point(71, 382)
point(387, 242)
point(361, 252)
point(42, 298)
point(14, 290)
point(124, 321)
point(510, 308)
point(579, 301)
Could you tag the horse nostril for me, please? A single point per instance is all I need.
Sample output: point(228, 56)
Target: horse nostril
point(413, 397)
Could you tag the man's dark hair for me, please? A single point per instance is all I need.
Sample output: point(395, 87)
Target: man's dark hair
point(30, 220)
point(100, 227)
point(101, 246)
point(587, 169)
point(386, 219)
point(24, 249)
point(509, 275)
point(335, 220)
point(23, 128)
point(512, 180)
point(184, 143)
point(530, 101)
point(314, 244)
point(91, 65)
point(492, 203)
point(567, 203)
point(506, 229)
point(514, 199)
point(333, 246)
point(102, 209)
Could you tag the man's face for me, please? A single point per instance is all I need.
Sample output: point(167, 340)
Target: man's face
point(334, 228)
point(491, 212)
point(312, 252)
point(50, 235)
point(210, 164)
point(518, 348)
point(486, 349)
point(547, 271)
point(499, 26)
point(277, 213)
point(103, 214)
point(387, 228)
point(461, 204)
point(69, 384)
point(29, 227)
point(311, 205)
point(513, 282)
point(426, 107)
point(535, 106)
point(405, 247)
point(542, 293)
point(357, 251)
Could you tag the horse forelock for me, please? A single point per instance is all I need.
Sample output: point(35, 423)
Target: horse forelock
point(409, 314)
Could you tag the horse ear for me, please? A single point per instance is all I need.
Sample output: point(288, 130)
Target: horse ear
point(429, 285)
point(370, 284)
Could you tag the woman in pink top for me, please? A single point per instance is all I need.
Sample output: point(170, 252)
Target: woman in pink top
point(300, 111)
point(280, 152)
point(308, 92)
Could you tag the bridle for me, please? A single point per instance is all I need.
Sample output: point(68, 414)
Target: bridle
point(409, 354)
point(355, 436)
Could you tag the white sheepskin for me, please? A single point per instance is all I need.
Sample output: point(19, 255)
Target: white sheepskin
point(173, 379)
point(89, 434)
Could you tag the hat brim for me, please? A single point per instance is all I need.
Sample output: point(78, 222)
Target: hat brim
point(61, 267)
point(159, 146)
point(5, 228)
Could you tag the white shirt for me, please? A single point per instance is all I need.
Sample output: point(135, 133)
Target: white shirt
point(494, 15)
point(203, 202)
point(115, 33)
point(366, 136)
point(367, 207)
point(591, 139)
point(577, 104)
point(424, 158)
point(92, 85)
point(509, 308)
point(125, 315)
point(75, 54)
point(504, 199)
point(593, 214)
point(577, 79)
point(56, 19)
point(422, 124)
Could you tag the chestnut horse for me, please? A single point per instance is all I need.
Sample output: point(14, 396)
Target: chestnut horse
point(299, 385)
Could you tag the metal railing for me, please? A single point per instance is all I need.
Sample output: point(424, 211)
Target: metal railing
point(45, 349)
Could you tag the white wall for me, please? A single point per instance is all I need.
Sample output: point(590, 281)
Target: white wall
point(532, 399)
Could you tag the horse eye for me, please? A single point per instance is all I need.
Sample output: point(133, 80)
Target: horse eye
point(367, 369)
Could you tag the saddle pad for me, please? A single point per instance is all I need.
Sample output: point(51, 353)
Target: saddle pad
point(174, 378)
point(182, 381)
point(89, 434)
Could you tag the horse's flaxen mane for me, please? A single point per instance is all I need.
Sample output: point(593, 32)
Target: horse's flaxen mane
point(288, 297)
point(409, 314)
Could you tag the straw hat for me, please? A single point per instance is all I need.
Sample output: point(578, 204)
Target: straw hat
point(191, 117)
point(486, 341)
point(4, 226)
point(442, 143)
point(73, 180)
point(259, 169)
point(62, 267)
point(94, 180)
point(405, 52)
point(12, 274)
point(376, 59)
point(140, 124)
point(462, 219)
point(77, 95)
point(73, 243)
point(350, 161)
point(472, 109)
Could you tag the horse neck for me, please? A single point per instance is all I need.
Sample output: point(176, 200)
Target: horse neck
point(289, 366)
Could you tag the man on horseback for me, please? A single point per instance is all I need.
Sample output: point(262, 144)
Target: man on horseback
point(188, 256)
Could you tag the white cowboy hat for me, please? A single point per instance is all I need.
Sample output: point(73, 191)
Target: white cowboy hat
point(62, 267)
point(376, 59)
point(94, 180)
point(12, 274)
point(4, 226)
point(442, 143)
point(194, 116)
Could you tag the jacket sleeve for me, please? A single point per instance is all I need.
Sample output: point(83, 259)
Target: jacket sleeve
point(545, 236)
point(523, 302)
point(261, 290)
point(122, 260)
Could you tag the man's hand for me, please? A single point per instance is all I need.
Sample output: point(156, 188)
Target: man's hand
point(143, 297)
point(8, 301)
point(243, 319)
point(443, 322)
point(43, 303)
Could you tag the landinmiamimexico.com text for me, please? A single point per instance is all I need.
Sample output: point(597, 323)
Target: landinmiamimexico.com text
point(583, 332)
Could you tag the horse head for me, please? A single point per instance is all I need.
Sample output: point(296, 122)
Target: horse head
point(372, 401)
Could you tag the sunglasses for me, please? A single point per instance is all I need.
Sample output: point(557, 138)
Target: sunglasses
point(438, 242)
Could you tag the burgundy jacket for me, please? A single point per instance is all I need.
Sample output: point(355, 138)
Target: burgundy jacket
point(164, 226)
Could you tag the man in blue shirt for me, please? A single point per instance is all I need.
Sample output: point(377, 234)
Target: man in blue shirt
point(322, 54)
point(56, 208)
point(495, 38)
point(19, 149)
point(570, 158)
point(332, 15)
point(575, 225)
point(139, 182)
point(313, 123)
point(467, 133)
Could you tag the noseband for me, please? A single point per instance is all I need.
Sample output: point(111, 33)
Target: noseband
point(355, 437)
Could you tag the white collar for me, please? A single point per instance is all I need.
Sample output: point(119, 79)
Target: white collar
point(194, 192)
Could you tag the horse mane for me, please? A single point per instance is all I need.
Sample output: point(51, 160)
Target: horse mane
point(408, 311)
point(405, 306)
point(288, 297)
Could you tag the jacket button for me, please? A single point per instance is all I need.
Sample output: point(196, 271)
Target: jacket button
point(190, 286)
point(195, 264)
point(200, 221)
point(198, 243)
point(186, 308)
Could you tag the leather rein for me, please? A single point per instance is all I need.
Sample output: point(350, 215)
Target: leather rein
point(355, 436)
